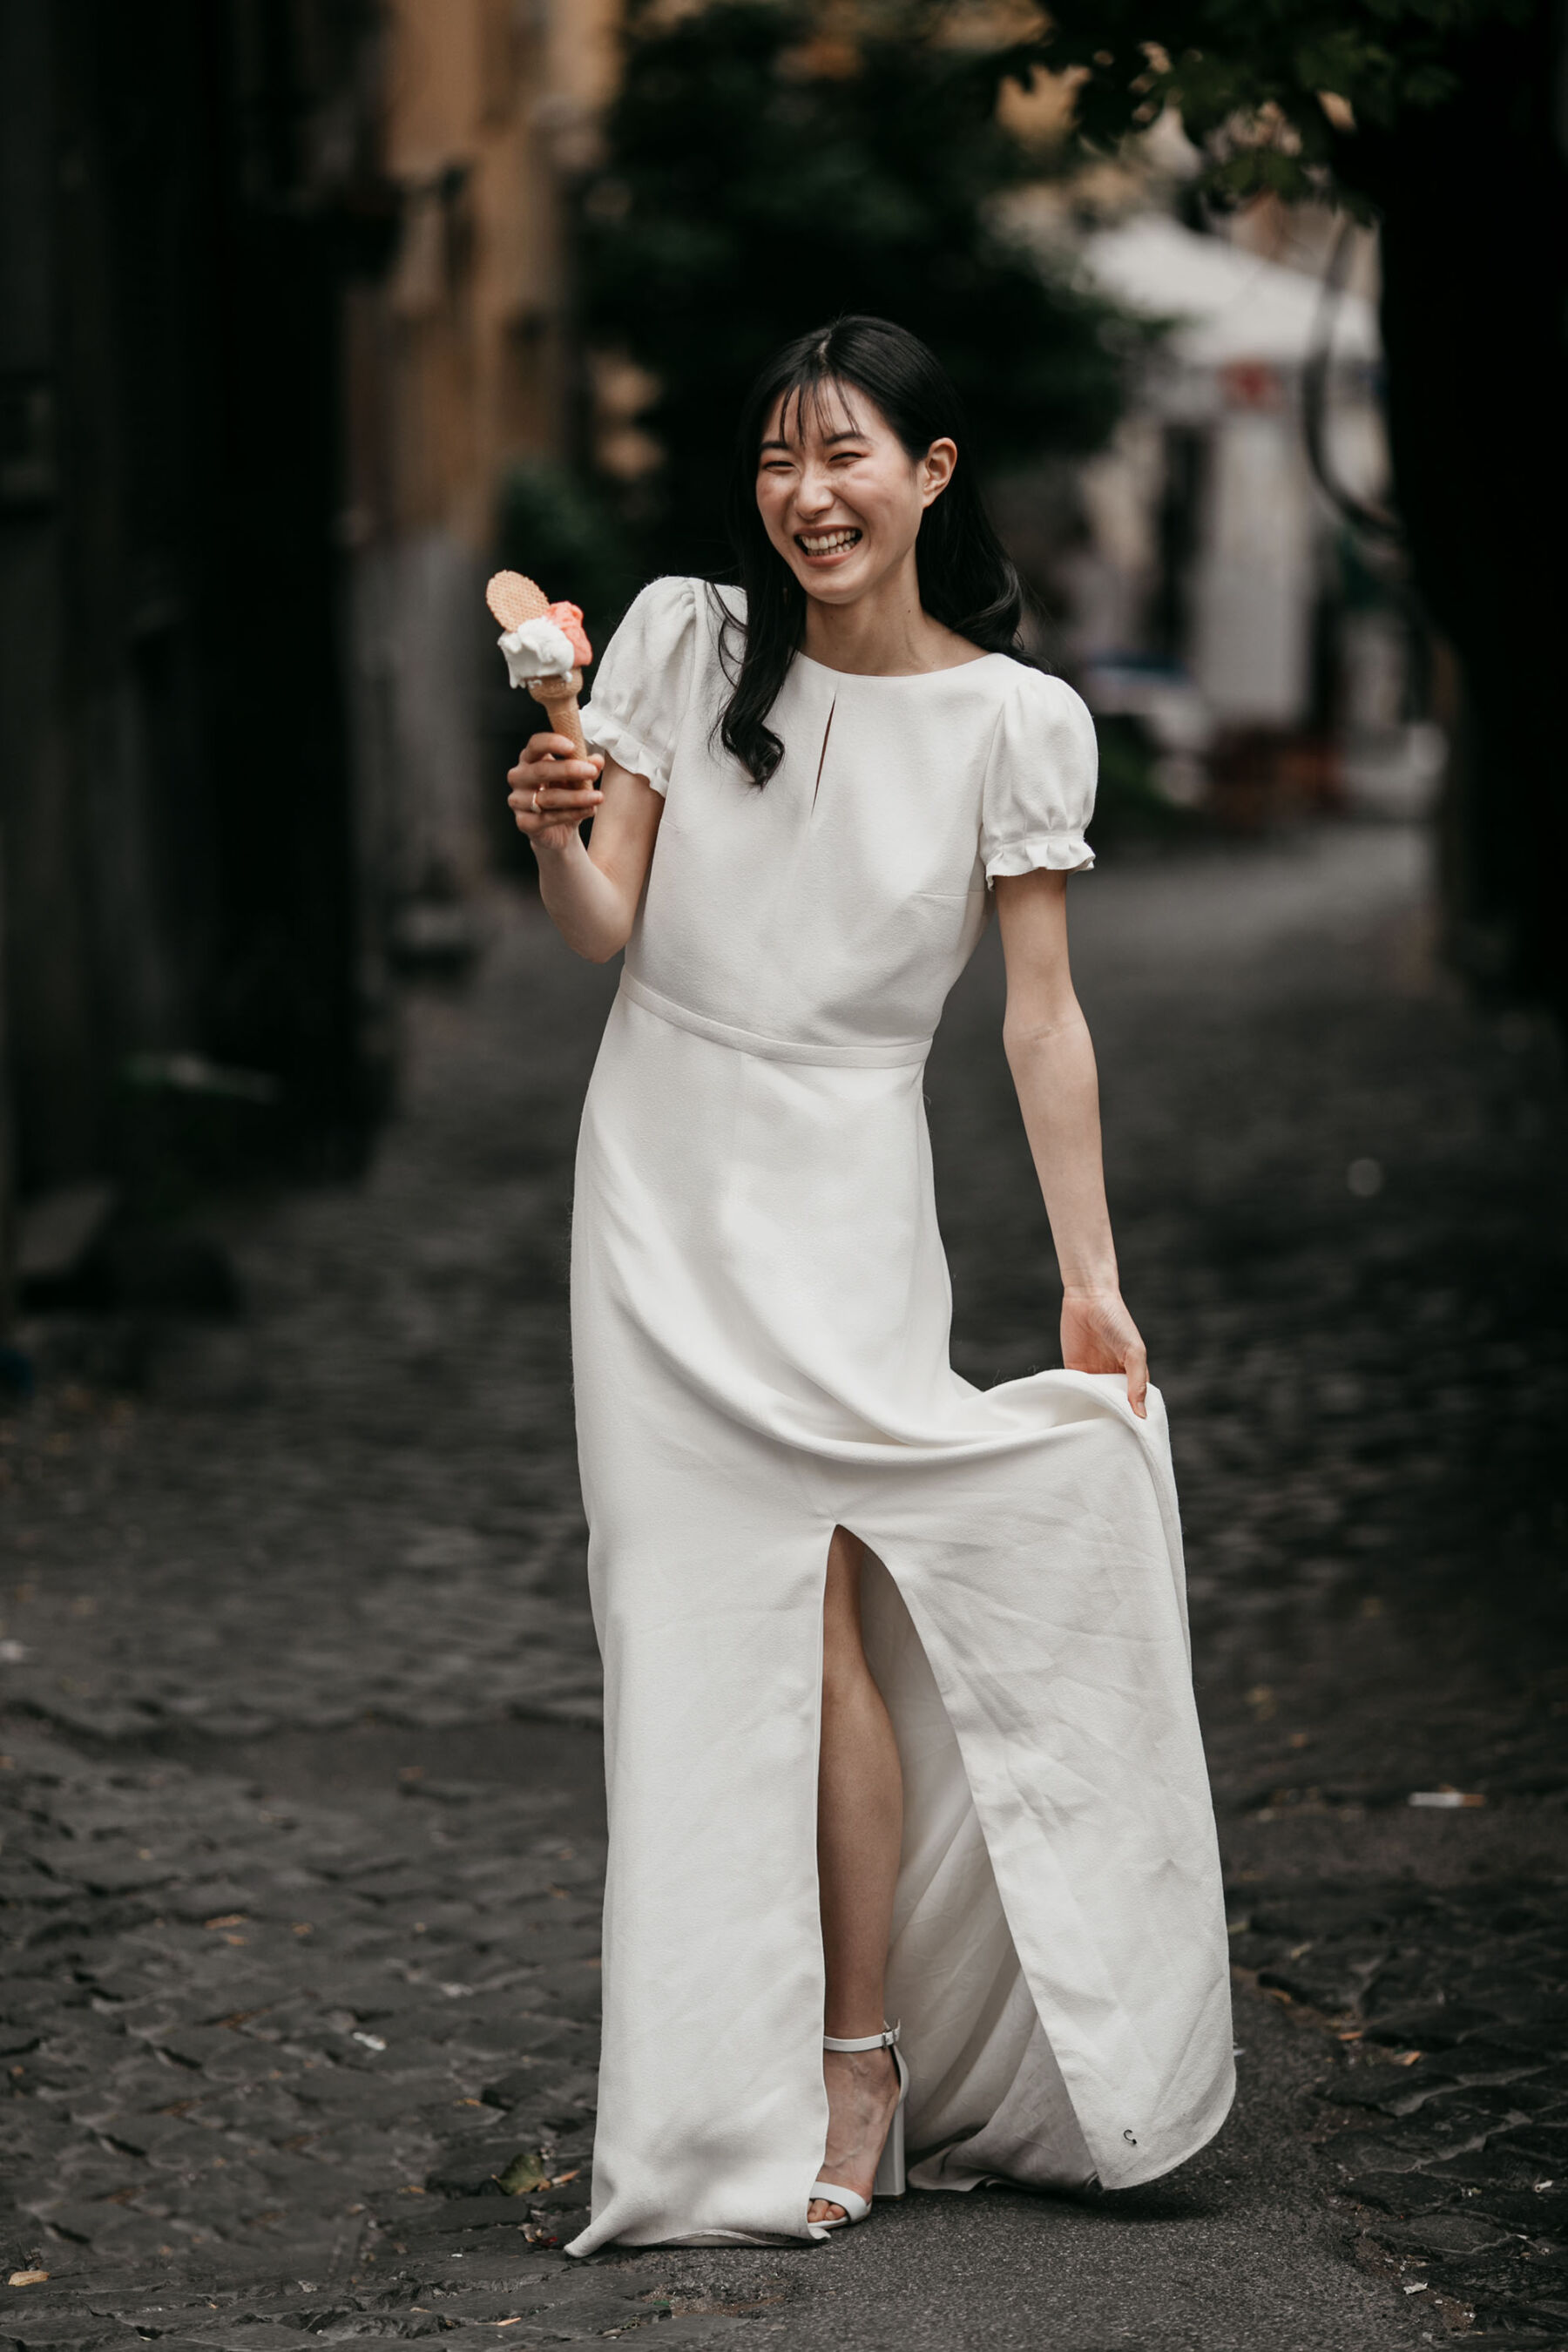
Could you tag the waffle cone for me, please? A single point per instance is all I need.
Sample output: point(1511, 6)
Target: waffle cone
point(514, 599)
point(558, 698)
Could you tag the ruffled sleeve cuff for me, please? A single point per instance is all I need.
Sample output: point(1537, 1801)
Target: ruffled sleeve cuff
point(604, 732)
point(1055, 853)
point(643, 685)
point(1040, 779)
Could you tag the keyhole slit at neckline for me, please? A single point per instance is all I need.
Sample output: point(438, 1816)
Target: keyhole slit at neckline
point(822, 755)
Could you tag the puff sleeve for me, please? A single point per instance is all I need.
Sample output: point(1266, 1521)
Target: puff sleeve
point(642, 684)
point(1039, 782)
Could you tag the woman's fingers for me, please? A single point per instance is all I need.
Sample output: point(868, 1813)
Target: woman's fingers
point(553, 777)
point(563, 817)
point(562, 748)
point(552, 794)
point(1099, 1336)
point(540, 763)
point(555, 800)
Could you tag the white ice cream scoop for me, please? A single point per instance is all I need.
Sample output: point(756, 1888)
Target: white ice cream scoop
point(537, 649)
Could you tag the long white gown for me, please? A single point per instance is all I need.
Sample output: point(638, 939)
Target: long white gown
point(760, 1316)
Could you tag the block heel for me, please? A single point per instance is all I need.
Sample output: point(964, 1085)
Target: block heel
point(890, 2181)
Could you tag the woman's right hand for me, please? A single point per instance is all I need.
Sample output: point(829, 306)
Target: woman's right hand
point(553, 792)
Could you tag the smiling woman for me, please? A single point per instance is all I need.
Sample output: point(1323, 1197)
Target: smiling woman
point(850, 437)
point(837, 490)
point(897, 1698)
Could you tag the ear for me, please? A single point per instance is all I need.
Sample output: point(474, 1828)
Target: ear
point(937, 470)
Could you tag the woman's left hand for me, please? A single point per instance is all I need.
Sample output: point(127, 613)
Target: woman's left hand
point(1099, 1336)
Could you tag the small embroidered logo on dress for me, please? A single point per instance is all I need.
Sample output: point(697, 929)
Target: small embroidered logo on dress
point(1129, 2138)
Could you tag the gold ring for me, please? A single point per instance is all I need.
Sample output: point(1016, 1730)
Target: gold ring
point(536, 807)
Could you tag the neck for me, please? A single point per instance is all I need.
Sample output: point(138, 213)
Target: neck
point(885, 632)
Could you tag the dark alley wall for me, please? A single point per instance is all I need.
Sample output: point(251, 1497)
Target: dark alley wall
point(182, 196)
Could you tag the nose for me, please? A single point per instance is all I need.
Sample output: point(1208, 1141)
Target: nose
point(814, 493)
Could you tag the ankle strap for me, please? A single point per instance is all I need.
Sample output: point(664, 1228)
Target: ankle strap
point(885, 2039)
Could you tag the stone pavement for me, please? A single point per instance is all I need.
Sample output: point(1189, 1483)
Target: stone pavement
point(300, 1788)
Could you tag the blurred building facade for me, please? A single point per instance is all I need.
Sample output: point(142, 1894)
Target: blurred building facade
point(282, 288)
point(1222, 572)
point(461, 361)
point(1223, 589)
point(187, 189)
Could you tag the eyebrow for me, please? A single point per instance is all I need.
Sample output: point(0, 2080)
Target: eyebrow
point(850, 433)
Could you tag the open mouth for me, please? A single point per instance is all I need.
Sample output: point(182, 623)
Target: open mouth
point(827, 542)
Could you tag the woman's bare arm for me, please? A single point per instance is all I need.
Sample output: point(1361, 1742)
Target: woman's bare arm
point(1052, 1062)
point(591, 892)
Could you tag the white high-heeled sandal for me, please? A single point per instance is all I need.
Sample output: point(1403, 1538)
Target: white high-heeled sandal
point(889, 2181)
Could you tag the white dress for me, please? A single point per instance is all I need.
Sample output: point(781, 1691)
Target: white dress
point(760, 1327)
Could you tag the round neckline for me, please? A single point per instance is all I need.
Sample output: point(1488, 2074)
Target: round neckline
point(897, 676)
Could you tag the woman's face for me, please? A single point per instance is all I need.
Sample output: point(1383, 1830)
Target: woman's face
point(840, 496)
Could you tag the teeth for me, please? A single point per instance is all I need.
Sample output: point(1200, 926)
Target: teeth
point(827, 542)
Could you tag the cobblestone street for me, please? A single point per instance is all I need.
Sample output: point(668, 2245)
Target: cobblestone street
point(300, 1783)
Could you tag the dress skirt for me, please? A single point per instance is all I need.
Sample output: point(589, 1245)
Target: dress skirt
point(761, 1341)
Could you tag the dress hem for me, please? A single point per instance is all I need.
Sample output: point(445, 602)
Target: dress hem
point(1136, 2177)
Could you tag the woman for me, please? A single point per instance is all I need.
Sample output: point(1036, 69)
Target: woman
point(898, 1709)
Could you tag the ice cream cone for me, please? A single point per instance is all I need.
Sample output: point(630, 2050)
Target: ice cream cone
point(559, 696)
point(514, 599)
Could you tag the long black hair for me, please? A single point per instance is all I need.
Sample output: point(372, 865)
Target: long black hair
point(966, 579)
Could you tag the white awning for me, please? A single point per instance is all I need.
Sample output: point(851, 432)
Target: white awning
point(1233, 305)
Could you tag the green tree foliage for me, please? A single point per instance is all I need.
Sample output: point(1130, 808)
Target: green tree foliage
point(1250, 77)
point(773, 162)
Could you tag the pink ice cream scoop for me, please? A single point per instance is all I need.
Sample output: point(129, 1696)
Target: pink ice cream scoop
point(568, 619)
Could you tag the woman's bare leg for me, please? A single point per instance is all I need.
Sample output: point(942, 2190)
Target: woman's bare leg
point(859, 1827)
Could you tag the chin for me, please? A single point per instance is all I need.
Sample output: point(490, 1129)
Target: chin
point(835, 587)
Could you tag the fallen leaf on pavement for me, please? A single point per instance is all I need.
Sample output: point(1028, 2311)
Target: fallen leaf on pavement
point(527, 2170)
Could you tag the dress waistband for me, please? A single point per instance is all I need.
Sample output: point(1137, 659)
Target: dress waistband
point(897, 1054)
